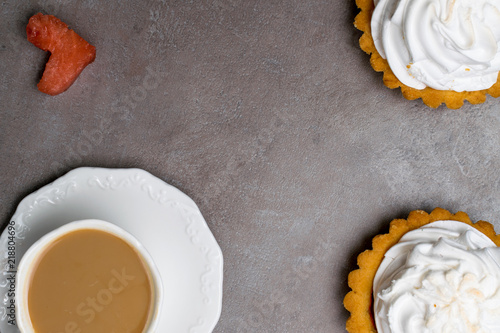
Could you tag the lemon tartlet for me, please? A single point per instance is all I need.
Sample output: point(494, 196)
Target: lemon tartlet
point(406, 273)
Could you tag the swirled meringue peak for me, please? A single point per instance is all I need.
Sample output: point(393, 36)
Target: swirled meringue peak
point(443, 277)
point(442, 44)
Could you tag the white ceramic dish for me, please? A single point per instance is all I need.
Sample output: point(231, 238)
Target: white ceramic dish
point(166, 221)
point(32, 255)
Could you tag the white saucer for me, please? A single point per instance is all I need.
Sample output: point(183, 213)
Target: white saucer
point(166, 221)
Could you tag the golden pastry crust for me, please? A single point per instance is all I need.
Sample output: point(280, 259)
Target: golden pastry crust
point(431, 97)
point(359, 300)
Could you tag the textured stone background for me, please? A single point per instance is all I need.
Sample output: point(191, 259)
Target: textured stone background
point(269, 116)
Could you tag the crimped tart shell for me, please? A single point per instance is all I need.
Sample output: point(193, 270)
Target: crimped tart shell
point(431, 97)
point(359, 300)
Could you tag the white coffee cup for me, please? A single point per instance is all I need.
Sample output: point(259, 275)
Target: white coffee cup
point(30, 258)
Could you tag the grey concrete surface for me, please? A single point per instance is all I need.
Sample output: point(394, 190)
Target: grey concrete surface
point(269, 116)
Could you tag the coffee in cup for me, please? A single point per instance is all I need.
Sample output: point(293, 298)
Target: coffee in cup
point(87, 277)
